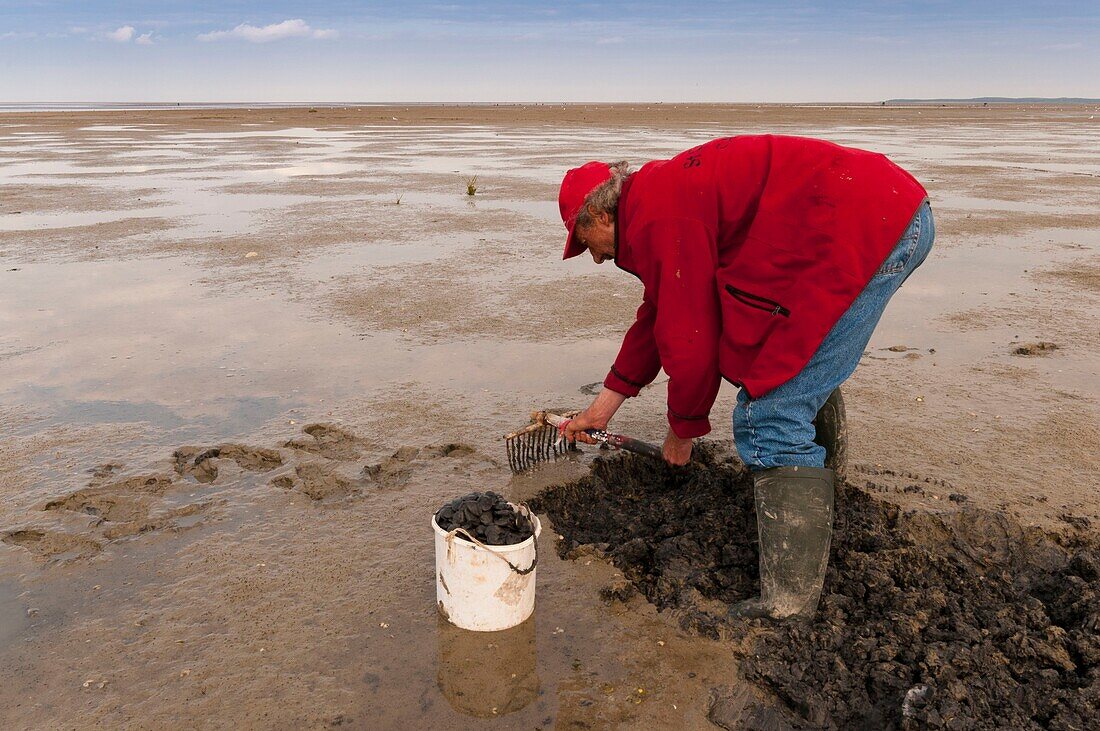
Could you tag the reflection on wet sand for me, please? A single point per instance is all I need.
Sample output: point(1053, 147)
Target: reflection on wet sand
point(487, 674)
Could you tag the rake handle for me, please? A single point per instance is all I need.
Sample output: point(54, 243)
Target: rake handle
point(619, 441)
point(636, 446)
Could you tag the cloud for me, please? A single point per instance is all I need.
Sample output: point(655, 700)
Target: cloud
point(295, 28)
point(122, 35)
point(145, 39)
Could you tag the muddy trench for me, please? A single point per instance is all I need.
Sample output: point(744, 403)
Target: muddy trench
point(962, 620)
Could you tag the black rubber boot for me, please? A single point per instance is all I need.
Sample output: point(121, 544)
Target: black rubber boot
point(831, 432)
point(794, 516)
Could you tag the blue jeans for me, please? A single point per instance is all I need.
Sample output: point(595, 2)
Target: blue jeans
point(776, 429)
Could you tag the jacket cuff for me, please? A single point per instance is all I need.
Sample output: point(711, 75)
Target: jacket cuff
point(616, 382)
point(689, 427)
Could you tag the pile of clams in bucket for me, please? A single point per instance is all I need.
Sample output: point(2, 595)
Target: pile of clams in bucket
point(486, 551)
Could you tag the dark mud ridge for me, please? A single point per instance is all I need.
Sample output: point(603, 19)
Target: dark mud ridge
point(962, 620)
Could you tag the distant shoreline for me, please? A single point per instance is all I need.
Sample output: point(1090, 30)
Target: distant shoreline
point(163, 106)
point(999, 100)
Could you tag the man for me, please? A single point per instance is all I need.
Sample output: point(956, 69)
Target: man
point(766, 260)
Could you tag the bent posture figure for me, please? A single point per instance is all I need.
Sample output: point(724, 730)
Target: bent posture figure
point(767, 261)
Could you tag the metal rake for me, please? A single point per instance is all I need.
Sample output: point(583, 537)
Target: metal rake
point(541, 441)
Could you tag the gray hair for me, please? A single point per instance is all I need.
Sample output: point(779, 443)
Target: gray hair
point(605, 196)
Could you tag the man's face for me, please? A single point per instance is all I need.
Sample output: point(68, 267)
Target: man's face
point(599, 237)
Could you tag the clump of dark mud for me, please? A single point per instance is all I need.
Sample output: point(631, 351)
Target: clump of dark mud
point(959, 620)
point(1039, 348)
point(488, 517)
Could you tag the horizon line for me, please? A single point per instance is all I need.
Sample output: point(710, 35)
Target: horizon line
point(31, 105)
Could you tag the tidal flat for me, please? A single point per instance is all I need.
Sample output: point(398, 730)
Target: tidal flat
point(245, 354)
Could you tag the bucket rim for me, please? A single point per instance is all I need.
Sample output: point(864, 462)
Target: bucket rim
point(510, 548)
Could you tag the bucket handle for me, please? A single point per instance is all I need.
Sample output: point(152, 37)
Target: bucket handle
point(522, 572)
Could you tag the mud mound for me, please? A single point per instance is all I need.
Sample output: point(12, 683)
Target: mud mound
point(319, 481)
point(964, 620)
point(124, 500)
point(329, 441)
point(120, 516)
point(105, 506)
point(104, 471)
point(202, 464)
point(1040, 348)
point(127, 507)
point(154, 484)
point(396, 470)
point(52, 546)
point(451, 449)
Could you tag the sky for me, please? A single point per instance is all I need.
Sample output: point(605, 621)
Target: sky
point(420, 51)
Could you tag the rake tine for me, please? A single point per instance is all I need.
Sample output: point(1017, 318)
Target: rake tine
point(537, 442)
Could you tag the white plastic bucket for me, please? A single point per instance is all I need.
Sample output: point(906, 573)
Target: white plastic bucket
point(485, 588)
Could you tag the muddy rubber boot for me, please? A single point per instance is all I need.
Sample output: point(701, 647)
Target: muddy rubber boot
point(794, 516)
point(831, 432)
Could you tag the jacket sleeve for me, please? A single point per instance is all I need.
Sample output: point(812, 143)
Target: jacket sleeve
point(637, 363)
point(688, 320)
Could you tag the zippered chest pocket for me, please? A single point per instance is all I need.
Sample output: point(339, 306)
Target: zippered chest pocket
point(760, 303)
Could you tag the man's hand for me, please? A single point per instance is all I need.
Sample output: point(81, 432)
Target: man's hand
point(676, 451)
point(596, 416)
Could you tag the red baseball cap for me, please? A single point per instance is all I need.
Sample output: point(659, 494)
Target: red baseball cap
point(575, 187)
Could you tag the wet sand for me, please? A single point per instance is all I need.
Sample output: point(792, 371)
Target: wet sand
point(175, 281)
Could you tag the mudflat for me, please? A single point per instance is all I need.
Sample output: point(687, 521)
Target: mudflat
point(245, 354)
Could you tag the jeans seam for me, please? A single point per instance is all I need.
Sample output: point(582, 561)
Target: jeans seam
point(915, 240)
point(752, 433)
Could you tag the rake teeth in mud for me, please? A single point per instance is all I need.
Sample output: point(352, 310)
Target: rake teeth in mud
point(535, 443)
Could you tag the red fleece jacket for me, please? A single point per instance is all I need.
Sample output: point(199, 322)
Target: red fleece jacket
point(750, 249)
